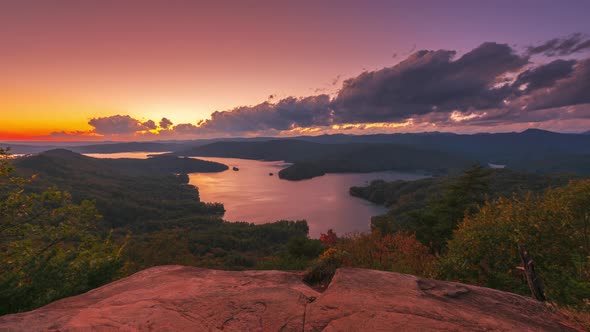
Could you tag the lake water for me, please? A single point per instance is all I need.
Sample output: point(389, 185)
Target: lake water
point(134, 155)
point(252, 195)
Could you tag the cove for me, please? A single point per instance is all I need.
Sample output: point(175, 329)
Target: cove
point(251, 194)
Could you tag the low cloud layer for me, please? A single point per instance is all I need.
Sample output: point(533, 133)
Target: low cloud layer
point(118, 125)
point(490, 86)
point(285, 114)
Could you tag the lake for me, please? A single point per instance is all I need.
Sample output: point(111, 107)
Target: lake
point(252, 195)
point(133, 155)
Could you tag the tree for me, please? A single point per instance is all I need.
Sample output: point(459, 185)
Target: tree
point(5, 167)
point(49, 248)
point(553, 226)
point(435, 224)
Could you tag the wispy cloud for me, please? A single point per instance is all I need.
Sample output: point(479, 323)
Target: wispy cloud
point(571, 44)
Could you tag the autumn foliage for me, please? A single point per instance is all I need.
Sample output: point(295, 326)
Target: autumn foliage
point(329, 238)
point(397, 252)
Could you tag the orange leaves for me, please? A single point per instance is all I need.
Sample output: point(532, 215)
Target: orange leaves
point(329, 238)
point(397, 252)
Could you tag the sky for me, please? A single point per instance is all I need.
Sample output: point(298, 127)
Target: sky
point(158, 70)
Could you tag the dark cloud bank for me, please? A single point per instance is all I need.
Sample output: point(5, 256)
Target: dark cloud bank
point(489, 86)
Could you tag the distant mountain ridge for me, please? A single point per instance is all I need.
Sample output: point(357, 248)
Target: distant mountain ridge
point(532, 150)
point(452, 141)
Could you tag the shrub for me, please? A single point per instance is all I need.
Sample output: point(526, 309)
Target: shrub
point(554, 227)
point(397, 252)
point(322, 271)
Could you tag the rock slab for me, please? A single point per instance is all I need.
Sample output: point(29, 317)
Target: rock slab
point(181, 298)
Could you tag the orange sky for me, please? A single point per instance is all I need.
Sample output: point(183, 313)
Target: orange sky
point(65, 62)
point(71, 63)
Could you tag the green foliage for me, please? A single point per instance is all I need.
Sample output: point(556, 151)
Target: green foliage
point(323, 269)
point(434, 223)
point(5, 166)
point(170, 225)
point(301, 171)
point(49, 246)
point(356, 158)
point(432, 207)
point(312, 159)
point(298, 254)
point(303, 247)
point(56, 244)
point(217, 244)
point(554, 226)
point(142, 200)
point(236, 259)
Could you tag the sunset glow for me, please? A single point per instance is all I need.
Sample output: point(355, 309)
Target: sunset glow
point(65, 63)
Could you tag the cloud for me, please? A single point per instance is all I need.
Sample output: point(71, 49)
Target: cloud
point(72, 136)
point(285, 114)
point(336, 80)
point(428, 81)
point(165, 123)
point(69, 134)
point(543, 76)
point(572, 89)
point(119, 125)
point(411, 50)
point(571, 44)
point(186, 129)
point(489, 86)
point(150, 124)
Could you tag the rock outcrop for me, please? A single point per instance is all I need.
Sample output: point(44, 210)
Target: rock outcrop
point(180, 298)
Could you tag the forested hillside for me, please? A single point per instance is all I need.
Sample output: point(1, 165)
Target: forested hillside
point(472, 228)
point(72, 223)
point(464, 226)
point(131, 193)
point(533, 151)
point(313, 159)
